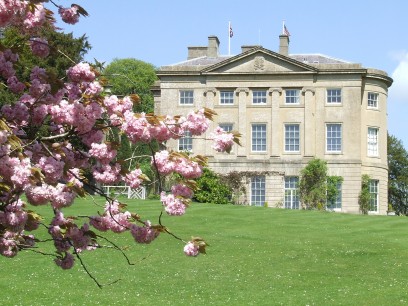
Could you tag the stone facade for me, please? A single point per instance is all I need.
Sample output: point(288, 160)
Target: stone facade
point(289, 109)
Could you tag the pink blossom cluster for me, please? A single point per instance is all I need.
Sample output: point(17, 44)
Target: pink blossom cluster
point(112, 219)
point(144, 234)
point(102, 152)
point(190, 249)
point(167, 163)
point(173, 205)
point(195, 122)
point(223, 141)
point(39, 47)
point(69, 15)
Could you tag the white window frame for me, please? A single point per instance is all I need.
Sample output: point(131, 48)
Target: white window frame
point(330, 146)
point(337, 203)
point(258, 138)
point(186, 97)
point(374, 199)
point(288, 146)
point(372, 141)
point(227, 127)
point(258, 190)
point(372, 100)
point(226, 97)
point(334, 96)
point(185, 143)
point(292, 96)
point(259, 96)
point(291, 187)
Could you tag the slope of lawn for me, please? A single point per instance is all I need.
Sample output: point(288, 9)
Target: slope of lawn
point(257, 256)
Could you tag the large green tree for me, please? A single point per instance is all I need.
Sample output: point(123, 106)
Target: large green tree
point(131, 76)
point(397, 175)
point(65, 51)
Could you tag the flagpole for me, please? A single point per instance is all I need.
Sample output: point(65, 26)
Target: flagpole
point(283, 26)
point(229, 38)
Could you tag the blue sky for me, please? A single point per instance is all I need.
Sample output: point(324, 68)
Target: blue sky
point(373, 33)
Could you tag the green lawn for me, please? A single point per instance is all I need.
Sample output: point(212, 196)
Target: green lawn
point(257, 256)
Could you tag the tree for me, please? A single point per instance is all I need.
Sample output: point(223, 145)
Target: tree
point(313, 184)
point(211, 189)
point(365, 197)
point(45, 164)
point(128, 76)
point(397, 175)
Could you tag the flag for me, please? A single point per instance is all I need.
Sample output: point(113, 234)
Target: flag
point(230, 32)
point(285, 31)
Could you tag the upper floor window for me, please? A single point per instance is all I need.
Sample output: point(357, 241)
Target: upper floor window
point(373, 188)
point(226, 97)
point(333, 138)
point(372, 100)
point(292, 138)
point(259, 97)
point(186, 97)
point(227, 127)
point(258, 190)
point(333, 96)
point(259, 138)
point(372, 142)
point(185, 143)
point(292, 96)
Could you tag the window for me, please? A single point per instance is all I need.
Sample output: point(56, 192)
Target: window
point(333, 96)
point(259, 138)
point(259, 97)
point(335, 204)
point(292, 96)
point(226, 97)
point(372, 142)
point(292, 143)
point(227, 127)
point(291, 192)
point(185, 143)
point(373, 188)
point(333, 138)
point(372, 100)
point(258, 190)
point(186, 97)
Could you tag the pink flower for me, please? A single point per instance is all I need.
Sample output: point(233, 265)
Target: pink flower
point(15, 85)
point(223, 141)
point(172, 205)
point(196, 122)
point(102, 152)
point(182, 190)
point(133, 178)
point(107, 174)
point(66, 262)
point(69, 15)
point(144, 234)
point(190, 249)
point(40, 47)
point(36, 18)
point(81, 72)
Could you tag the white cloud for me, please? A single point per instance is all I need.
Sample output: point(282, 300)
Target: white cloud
point(398, 92)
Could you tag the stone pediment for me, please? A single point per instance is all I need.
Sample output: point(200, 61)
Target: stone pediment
point(259, 60)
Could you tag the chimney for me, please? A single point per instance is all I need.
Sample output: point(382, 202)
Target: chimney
point(194, 52)
point(284, 45)
point(213, 44)
point(247, 48)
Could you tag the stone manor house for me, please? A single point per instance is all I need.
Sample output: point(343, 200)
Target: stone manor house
point(289, 109)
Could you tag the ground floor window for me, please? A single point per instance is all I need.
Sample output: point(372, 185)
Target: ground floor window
point(335, 204)
point(291, 192)
point(373, 188)
point(258, 190)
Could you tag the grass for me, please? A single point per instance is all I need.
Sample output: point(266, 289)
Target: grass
point(257, 256)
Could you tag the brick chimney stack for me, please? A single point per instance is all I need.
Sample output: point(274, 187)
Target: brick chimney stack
point(284, 44)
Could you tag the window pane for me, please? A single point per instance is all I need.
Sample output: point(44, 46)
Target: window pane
point(292, 96)
point(227, 127)
point(373, 187)
point(259, 138)
point(291, 192)
point(333, 137)
point(334, 96)
point(258, 190)
point(372, 100)
point(186, 142)
point(226, 97)
point(186, 97)
point(372, 139)
point(292, 142)
point(259, 97)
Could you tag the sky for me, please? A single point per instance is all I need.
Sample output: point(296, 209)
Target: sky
point(370, 32)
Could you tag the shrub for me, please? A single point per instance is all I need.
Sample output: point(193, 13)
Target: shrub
point(211, 189)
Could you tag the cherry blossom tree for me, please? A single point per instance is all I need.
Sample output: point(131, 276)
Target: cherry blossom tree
point(55, 132)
